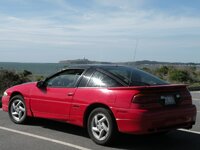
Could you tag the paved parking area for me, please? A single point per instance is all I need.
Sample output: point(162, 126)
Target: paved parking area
point(42, 134)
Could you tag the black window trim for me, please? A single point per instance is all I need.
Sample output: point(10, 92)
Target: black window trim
point(83, 77)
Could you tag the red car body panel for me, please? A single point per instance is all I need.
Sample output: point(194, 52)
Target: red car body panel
point(53, 103)
point(70, 105)
point(85, 97)
point(145, 121)
point(24, 90)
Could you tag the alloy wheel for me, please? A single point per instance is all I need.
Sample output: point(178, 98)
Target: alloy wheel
point(100, 127)
point(18, 110)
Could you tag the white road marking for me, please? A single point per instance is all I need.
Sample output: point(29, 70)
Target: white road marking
point(195, 92)
point(185, 130)
point(195, 99)
point(44, 138)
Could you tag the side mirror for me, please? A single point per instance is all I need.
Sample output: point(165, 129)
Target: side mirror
point(40, 84)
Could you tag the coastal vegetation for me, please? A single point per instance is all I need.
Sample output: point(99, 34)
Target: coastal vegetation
point(11, 78)
point(189, 75)
point(177, 73)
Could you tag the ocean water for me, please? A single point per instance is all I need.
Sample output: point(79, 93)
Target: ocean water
point(44, 69)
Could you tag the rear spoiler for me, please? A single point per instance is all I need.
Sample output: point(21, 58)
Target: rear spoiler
point(153, 87)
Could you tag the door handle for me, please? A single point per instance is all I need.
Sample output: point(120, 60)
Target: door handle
point(70, 94)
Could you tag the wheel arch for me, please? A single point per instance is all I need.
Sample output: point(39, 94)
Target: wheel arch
point(16, 93)
point(29, 112)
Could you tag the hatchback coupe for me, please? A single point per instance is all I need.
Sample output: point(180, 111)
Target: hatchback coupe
point(106, 99)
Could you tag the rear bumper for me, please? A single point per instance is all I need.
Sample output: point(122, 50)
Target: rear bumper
point(137, 121)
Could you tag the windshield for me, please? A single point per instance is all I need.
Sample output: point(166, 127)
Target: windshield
point(134, 77)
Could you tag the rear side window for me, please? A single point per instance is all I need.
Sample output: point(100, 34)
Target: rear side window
point(99, 79)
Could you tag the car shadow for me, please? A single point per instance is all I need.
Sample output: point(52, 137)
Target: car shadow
point(174, 140)
point(58, 126)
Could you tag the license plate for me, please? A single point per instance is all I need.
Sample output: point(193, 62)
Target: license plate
point(168, 100)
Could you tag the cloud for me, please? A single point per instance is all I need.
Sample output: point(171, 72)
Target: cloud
point(102, 24)
point(121, 5)
point(140, 23)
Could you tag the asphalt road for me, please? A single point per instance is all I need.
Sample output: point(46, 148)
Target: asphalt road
point(41, 134)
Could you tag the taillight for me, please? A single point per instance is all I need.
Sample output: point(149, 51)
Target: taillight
point(144, 99)
point(186, 97)
point(164, 98)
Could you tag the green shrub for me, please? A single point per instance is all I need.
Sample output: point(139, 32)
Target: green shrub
point(11, 78)
point(179, 76)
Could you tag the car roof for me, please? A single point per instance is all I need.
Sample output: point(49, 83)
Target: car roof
point(83, 66)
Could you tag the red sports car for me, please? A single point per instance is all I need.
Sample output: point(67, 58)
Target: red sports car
point(105, 99)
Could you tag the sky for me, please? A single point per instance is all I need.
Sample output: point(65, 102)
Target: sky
point(100, 30)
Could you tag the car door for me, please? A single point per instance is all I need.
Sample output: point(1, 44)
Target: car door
point(54, 99)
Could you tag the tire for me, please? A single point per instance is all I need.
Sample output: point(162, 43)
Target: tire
point(101, 126)
point(17, 110)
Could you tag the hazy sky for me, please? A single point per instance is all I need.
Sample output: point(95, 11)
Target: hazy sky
point(104, 30)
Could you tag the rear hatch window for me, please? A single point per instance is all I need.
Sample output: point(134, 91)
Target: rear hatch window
point(134, 77)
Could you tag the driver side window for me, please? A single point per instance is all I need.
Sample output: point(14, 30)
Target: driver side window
point(67, 78)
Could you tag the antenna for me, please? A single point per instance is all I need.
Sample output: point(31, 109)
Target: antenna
point(135, 51)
